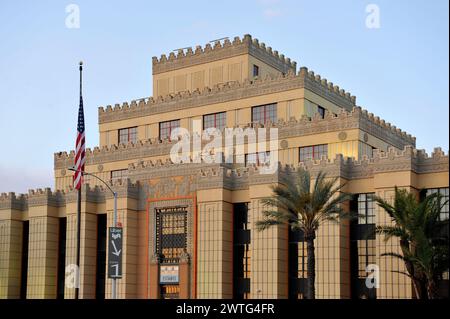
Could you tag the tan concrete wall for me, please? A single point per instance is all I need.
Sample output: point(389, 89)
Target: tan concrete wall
point(215, 246)
point(10, 258)
point(269, 254)
point(202, 75)
point(42, 257)
point(392, 285)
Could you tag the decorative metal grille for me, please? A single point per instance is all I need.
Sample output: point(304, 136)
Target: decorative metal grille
point(171, 233)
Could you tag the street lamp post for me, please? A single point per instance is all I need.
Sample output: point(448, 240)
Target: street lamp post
point(114, 288)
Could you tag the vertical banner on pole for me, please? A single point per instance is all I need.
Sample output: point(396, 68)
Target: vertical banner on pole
point(115, 252)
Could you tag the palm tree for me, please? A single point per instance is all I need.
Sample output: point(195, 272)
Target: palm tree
point(423, 244)
point(303, 206)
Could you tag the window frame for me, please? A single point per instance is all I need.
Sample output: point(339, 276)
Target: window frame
point(131, 134)
point(444, 193)
point(321, 111)
point(215, 115)
point(122, 175)
point(171, 127)
point(258, 162)
point(314, 149)
point(269, 112)
point(255, 68)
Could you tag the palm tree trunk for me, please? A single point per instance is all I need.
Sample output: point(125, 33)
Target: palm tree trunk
point(432, 289)
point(417, 278)
point(311, 265)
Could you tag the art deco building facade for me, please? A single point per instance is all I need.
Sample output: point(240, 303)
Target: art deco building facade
point(195, 220)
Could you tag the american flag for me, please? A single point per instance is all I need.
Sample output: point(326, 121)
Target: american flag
point(80, 145)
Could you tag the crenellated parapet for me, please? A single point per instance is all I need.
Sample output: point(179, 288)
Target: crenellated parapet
point(325, 88)
point(385, 130)
point(356, 118)
point(46, 197)
point(408, 159)
point(227, 92)
point(209, 53)
point(145, 170)
point(412, 159)
point(140, 149)
point(125, 188)
point(14, 202)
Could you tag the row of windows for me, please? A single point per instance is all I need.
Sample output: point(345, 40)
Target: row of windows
point(305, 153)
point(260, 114)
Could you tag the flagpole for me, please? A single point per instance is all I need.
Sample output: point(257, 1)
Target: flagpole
point(77, 286)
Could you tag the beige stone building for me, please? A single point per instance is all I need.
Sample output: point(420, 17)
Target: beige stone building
point(196, 220)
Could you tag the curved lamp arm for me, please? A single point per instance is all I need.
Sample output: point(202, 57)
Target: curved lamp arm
point(73, 169)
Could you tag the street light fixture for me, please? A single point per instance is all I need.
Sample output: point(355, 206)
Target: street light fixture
point(73, 169)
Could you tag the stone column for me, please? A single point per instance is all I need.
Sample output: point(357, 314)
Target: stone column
point(11, 234)
point(269, 248)
point(214, 243)
point(43, 212)
point(392, 284)
point(127, 209)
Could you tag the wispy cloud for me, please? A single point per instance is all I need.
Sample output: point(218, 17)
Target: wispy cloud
point(270, 8)
point(272, 13)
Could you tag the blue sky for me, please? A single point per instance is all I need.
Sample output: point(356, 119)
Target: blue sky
point(399, 72)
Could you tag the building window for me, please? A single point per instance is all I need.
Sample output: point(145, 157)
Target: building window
point(366, 209)
point(297, 264)
point(313, 152)
point(362, 243)
point(165, 128)
point(264, 113)
point(261, 158)
point(321, 111)
point(61, 269)
point(443, 200)
point(444, 215)
point(171, 233)
point(100, 277)
point(241, 251)
point(216, 120)
point(118, 175)
point(127, 135)
point(255, 70)
point(24, 260)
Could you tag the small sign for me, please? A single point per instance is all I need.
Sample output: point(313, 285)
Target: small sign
point(168, 275)
point(115, 252)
